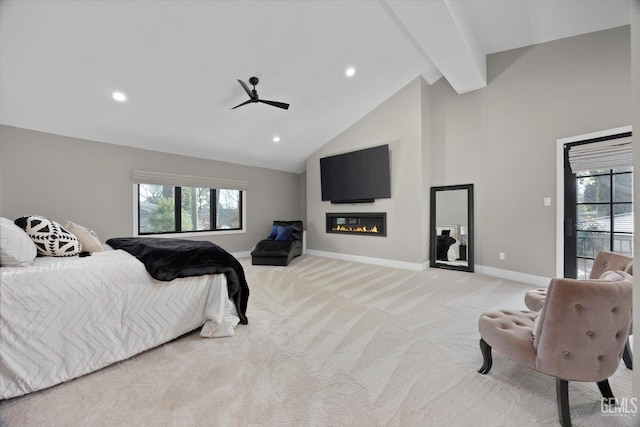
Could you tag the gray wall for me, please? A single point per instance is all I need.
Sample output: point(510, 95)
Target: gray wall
point(303, 198)
point(397, 122)
point(90, 183)
point(501, 138)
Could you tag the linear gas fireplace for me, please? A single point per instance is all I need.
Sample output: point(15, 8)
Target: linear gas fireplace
point(364, 224)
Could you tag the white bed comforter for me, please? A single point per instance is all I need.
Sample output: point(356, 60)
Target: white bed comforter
point(65, 317)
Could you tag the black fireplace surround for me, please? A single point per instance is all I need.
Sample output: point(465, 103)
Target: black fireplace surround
point(364, 224)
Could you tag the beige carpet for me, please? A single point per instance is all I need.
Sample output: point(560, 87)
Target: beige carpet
point(329, 343)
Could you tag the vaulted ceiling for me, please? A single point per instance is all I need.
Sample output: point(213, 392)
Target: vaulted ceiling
point(178, 63)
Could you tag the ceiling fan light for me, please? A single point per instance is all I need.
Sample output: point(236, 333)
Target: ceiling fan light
point(350, 72)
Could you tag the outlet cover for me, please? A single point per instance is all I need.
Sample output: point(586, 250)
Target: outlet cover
point(501, 256)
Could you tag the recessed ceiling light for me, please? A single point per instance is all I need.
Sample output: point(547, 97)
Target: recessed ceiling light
point(276, 139)
point(350, 72)
point(119, 96)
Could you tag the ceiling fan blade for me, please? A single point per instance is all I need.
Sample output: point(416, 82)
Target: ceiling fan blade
point(275, 103)
point(246, 88)
point(244, 103)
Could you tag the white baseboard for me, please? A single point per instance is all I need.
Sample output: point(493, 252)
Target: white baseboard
point(513, 275)
point(415, 266)
point(244, 254)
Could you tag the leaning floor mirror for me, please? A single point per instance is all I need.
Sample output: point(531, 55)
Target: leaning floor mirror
point(451, 227)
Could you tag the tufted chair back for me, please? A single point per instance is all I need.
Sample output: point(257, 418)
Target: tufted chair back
point(610, 261)
point(583, 327)
point(603, 262)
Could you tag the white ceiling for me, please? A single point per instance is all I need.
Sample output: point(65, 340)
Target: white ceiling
point(178, 62)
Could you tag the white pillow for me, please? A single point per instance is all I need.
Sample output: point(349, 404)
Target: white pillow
point(50, 238)
point(614, 276)
point(88, 238)
point(16, 248)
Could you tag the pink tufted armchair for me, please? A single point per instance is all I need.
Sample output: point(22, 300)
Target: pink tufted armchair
point(603, 262)
point(579, 334)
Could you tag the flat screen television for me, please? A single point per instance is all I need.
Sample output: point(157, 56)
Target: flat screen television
point(356, 177)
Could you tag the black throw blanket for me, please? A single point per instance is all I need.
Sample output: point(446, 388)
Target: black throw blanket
point(443, 243)
point(168, 259)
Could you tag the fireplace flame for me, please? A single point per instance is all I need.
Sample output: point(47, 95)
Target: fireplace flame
point(363, 229)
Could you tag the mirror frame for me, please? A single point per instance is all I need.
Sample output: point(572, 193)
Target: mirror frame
point(470, 228)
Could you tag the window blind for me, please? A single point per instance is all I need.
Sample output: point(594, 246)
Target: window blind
point(608, 154)
point(175, 180)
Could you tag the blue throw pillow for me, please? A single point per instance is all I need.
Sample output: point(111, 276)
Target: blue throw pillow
point(274, 232)
point(284, 233)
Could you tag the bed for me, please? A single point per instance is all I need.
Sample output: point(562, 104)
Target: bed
point(61, 318)
point(447, 242)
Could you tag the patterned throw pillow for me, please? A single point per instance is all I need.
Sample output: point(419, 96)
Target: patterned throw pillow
point(50, 238)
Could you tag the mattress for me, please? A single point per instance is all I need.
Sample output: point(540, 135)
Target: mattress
point(65, 317)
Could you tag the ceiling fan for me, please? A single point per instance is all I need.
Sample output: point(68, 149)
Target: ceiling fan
point(253, 95)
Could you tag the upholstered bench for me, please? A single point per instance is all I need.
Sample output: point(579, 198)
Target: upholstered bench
point(273, 252)
point(284, 243)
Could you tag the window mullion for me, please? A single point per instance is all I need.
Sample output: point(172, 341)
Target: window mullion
point(214, 208)
point(178, 209)
point(139, 216)
point(240, 208)
point(611, 212)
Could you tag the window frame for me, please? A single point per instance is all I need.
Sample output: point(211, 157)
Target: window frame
point(568, 192)
point(177, 203)
point(560, 188)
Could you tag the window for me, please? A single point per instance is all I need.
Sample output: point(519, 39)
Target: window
point(187, 205)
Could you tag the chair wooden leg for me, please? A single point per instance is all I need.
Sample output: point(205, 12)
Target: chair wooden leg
point(562, 397)
point(627, 355)
point(486, 356)
point(605, 389)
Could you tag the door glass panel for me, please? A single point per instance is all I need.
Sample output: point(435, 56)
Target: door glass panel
point(592, 172)
point(590, 243)
point(622, 188)
point(623, 244)
point(623, 218)
point(584, 268)
point(594, 217)
point(594, 189)
point(621, 170)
